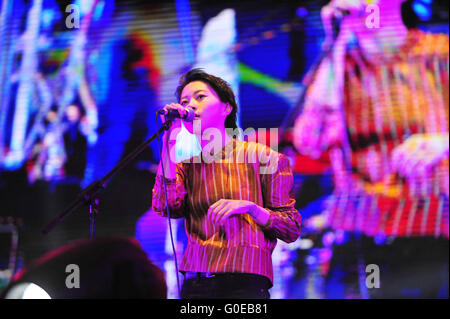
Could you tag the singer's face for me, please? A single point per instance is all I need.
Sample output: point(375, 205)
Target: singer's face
point(209, 109)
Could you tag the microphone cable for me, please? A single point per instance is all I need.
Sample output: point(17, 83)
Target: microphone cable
point(168, 210)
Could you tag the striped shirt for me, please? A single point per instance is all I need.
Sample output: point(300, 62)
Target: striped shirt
point(387, 98)
point(241, 171)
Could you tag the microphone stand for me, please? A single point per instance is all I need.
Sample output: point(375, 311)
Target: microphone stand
point(90, 194)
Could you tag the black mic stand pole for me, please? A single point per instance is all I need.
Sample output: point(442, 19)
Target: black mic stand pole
point(90, 194)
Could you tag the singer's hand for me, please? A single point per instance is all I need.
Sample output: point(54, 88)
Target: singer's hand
point(225, 208)
point(419, 154)
point(173, 106)
point(337, 9)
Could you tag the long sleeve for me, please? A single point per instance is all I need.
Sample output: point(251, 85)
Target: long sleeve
point(176, 193)
point(284, 221)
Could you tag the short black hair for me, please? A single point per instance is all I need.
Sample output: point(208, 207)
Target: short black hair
point(220, 86)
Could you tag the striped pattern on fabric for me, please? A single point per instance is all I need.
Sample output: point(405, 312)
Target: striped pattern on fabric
point(405, 92)
point(241, 171)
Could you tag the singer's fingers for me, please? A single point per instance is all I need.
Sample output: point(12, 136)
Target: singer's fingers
point(162, 112)
point(181, 109)
point(177, 107)
point(348, 5)
point(166, 110)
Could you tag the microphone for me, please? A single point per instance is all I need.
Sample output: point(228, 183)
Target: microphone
point(173, 114)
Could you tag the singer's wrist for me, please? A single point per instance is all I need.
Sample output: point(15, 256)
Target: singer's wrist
point(260, 215)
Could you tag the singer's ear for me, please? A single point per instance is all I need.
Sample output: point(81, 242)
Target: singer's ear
point(228, 108)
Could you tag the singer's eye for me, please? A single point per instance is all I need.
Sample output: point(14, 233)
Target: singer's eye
point(200, 97)
point(184, 103)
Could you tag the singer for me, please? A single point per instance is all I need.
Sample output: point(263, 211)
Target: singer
point(235, 210)
point(379, 103)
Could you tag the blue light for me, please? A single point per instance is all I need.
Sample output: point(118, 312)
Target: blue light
point(423, 9)
point(47, 18)
point(99, 10)
point(302, 12)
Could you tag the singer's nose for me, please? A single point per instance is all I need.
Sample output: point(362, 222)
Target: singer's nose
point(192, 104)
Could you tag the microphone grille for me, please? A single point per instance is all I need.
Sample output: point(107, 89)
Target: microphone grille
point(190, 114)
